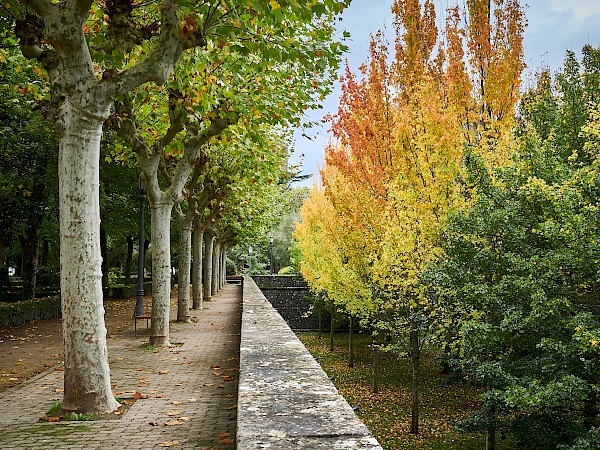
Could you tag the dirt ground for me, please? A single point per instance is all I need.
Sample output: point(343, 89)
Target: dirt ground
point(32, 348)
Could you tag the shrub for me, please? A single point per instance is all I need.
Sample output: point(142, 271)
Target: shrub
point(288, 270)
point(17, 313)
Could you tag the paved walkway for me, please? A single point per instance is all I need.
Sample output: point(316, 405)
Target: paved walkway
point(191, 389)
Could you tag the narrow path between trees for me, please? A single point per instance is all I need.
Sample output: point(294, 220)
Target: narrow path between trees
point(191, 390)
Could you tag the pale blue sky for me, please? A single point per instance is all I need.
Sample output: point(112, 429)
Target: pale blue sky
point(554, 26)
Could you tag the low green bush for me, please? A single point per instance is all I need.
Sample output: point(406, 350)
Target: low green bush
point(17, 313)
point(288, 270)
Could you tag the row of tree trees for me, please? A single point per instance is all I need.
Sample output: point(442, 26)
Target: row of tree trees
point(200, 95)
point(455, 210)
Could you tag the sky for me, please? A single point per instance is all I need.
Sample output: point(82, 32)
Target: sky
point(554, 26)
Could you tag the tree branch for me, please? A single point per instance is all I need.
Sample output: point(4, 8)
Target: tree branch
point(158, 65)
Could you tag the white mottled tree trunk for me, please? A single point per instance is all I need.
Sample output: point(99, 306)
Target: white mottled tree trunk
point(216, 257)
point(207, 272)
point(161, 272)
point(185, 260)
point(87, 376)
point(223, 264)
point(197, 243)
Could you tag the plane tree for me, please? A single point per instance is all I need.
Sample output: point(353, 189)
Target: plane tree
point(96, 52)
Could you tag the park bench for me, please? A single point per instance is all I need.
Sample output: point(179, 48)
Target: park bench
point(146, 316)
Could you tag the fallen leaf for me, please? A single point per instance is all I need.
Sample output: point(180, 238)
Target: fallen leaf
point(191, 399)
point(169, 443)
point(164, 372)
point(173, 423)
point(233, 407)
point(216, 366)
point(121, 359)
point(51, 419)
point(225, 439)
point(152, 423)
point(173, 413)
point(138, 395)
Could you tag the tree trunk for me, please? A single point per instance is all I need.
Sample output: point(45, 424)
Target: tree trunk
point(207, 272)
point(3, 264)
point(30, 246)
point(331, 330)
point(490, 440)
point(320, 326)
point(43, 261)
point(351, 344)
point(375, 368)
point(216, 266)
point(87, 375)
point(129, 259)
point(197, 242)
point(104, 254)
point(223, 265)
point(185, 260)
point(415, 353)
point(161, 273)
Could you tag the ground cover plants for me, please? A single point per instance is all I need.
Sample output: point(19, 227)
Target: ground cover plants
point(445, 403)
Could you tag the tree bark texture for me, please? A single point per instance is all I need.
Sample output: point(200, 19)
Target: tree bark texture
point(104, 254)
point(223, 265)
point(216, 266)
point(87, 373)
point(161, 272)
point(185, 260)
point(207, 272)
point(197, 243)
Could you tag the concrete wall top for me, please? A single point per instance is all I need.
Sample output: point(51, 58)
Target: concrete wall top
point(285, 400)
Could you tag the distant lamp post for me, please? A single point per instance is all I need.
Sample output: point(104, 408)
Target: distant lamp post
point(271, 254)
point(139, 302)
point(250, 260)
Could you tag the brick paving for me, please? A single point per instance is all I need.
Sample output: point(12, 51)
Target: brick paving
point(191, 389)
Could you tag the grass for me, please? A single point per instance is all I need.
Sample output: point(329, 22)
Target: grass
point(54, 414)
point(387, 413)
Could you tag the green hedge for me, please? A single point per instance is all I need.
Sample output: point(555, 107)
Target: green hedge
point(17, 313)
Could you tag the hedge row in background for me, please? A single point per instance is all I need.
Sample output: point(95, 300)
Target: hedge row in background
point(17, 313)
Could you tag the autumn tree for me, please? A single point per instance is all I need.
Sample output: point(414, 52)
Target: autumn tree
point(518, 281)
point(398, 154)
point(94, 53)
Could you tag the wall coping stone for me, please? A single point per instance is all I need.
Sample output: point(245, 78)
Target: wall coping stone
point(285, 400)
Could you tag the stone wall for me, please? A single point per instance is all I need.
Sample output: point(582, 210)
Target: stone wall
point(291, 298)
point(285, 400)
